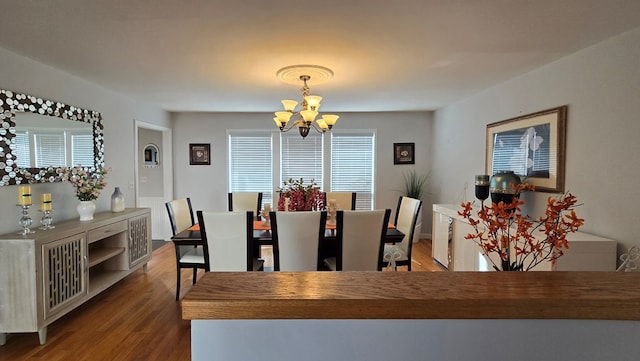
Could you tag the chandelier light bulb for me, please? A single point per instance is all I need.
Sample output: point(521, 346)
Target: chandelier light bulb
point(289, 105)
point(313, 101)
point(283, 117)
point(330, 119)
point(322, 124)
point(308, 115)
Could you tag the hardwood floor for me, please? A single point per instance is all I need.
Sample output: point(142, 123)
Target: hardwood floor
point(136, 319)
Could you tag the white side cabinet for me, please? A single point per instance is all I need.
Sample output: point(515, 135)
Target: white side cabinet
point(47, 274)
point(586, 252)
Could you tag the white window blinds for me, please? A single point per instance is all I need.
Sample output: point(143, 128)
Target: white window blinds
point(352, 166)
point(250, 163)
point(301, 158)
point(50, 150)
point(23, 149)
point(81, 149)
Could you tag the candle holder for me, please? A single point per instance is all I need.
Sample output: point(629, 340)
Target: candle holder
point(25, 221)
point(482, 188)
point(265, 215)
point(46, 219)
point(331, 212)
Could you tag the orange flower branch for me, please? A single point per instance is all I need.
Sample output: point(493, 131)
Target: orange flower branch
point(520, 241)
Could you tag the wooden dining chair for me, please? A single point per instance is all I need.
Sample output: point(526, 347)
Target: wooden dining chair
point(361, 236)
point(344, 200)
point(228, 239)
point(181, 217)
point(399, 254)
point(245, 201)
point(296, 237)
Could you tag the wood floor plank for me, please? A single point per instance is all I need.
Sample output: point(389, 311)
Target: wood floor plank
point(136, 319)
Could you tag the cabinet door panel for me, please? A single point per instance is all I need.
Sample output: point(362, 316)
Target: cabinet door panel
point(64, 273)
point(440, 241)
point(139, 240)
point(465, 251)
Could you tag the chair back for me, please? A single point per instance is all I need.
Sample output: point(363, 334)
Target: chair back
point(227, 236)
point(180, 214)
point(246, 201)
point(296, 238)
point(345, 200)
point(363, 234)
point(406, 218)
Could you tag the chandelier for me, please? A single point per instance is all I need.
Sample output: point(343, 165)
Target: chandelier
point(304, 118)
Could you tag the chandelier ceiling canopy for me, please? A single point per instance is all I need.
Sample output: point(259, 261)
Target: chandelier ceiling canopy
point(304, 117)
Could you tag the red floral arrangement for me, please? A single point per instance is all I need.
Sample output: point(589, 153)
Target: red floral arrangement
point(501, 228)
point(299, 196)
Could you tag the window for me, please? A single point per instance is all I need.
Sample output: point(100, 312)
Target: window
point(23, 149)
point(301, 157)
point(50, 149)
point(352, 166)
point(41, 149)
point(81, 149)
point(350, 158)
point(251, 163)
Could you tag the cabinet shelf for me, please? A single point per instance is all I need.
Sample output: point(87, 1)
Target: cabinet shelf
point(100, 255)
point(100, 281)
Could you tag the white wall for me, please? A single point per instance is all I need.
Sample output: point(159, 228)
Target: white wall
point(24, 75)
point(207, 185)
point(601, 85)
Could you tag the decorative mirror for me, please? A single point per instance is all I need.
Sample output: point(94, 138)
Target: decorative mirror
point(151, 159)
point(31, 127)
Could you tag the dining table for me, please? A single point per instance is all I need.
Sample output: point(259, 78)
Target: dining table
point(262, 237)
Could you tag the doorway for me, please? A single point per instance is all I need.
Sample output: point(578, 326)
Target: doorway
point(153, 174)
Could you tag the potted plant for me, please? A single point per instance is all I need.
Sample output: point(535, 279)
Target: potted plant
point(415, 185)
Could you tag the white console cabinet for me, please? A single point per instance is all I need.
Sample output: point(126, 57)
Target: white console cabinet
point(46, 274)
point(449, 247)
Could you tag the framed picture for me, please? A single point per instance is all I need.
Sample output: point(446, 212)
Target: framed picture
point(199, 154)
point(404, 153)
point(532, 146)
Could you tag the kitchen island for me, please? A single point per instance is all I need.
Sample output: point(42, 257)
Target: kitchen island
point(419, 315)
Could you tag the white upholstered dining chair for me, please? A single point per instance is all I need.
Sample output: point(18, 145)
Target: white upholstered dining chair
point(228, 240)
point(296, 237)
point(246, 201)
point(406, 217)
point(361, 236)
point(181, 217)
point(344, 200)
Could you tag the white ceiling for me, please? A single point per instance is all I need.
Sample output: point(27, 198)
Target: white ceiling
point(222, 55)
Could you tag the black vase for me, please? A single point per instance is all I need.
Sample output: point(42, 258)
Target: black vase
point(503, 187)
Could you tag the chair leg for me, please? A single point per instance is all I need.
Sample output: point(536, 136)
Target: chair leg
point(178, 284)
point(195, 274)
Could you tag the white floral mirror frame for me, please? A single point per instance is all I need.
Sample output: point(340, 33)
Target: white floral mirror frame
point(10, 104)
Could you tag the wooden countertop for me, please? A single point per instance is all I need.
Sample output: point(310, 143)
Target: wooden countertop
point(414, 295)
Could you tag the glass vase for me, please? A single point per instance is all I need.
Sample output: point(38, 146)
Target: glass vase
point(117, 201)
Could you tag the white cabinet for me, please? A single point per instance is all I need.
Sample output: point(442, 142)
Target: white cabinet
point(47, 274)
point(586, 252)
point(441, 237)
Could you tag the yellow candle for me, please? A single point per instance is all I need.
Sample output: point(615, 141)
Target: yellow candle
point(45, 201)
point(24, 195)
